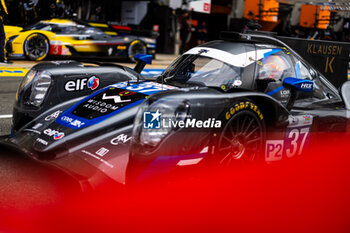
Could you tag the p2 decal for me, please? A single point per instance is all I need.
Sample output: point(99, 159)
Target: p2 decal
point(296, 140)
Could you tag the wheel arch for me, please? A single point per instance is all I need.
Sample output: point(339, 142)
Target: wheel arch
point(272, 110)
point(40, 33)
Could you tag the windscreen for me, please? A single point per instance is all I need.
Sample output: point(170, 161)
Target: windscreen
point(204, 71)
point(39, 26)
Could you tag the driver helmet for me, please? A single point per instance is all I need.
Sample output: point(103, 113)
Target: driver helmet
point(272, 68)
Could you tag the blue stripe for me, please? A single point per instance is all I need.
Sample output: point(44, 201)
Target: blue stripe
point(297, 70)
point(272, 52)
point(275, 91)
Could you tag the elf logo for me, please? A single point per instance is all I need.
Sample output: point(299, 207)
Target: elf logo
point(82, 83)
point(54, 133)
point(58, 136)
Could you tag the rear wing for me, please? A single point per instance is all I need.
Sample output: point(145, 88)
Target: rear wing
point(329, 57)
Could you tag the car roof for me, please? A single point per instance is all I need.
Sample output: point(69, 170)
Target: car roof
point(234, 47)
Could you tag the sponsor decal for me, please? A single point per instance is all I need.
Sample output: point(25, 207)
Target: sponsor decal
point(73, 122)
point(145, 87)
point(322, 49)
point(99, 106)
point(54, 133)
point(241, 106)
point(102, 151)
point(274, 150)
point(122, 138)
point(154, 120)
point(302, 120)
point(151, 120)
point(329, 51)
point(285, 93)
point(53, 116)
point(306, 86)
point(42, 141)
point(58, 136)
point(106, 102)
point(117, 98)
point(82, 83)
point(94, 109)
point(93, 83)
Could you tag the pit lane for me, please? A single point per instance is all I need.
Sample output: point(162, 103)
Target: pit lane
point(11, 76)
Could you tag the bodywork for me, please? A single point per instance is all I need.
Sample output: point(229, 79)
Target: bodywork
point(91, 138)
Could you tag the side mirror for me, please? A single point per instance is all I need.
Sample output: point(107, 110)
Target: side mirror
point(345, 94)
point(297, 84)
point(141, 61)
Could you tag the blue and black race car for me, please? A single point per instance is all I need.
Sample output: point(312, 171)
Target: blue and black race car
point(248, 97)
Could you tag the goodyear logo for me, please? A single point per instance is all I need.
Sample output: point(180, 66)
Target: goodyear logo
point(241, 106)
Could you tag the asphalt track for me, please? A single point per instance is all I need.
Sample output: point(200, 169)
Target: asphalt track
point(11, 76)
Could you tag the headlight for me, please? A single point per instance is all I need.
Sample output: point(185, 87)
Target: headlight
point(170, 111)
point(26, 80)
point(41, 84)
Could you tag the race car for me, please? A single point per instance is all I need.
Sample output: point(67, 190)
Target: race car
point(63, 37)
point(248, 97)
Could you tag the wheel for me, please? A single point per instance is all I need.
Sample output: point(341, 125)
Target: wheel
point(243, 137)
point(36, 47)
point(136, 47)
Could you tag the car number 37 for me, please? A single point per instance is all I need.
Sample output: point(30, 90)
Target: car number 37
point(296, 140)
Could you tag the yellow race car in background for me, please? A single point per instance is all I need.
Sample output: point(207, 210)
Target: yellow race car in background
point(62, 37)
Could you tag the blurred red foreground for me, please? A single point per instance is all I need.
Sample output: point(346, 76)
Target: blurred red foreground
point(310, 193)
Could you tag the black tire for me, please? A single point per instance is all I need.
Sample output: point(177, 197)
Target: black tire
point(242, 139)
point(36, 47)
point(136, 47)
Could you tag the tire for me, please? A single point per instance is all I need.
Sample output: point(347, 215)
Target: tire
point(136, 47)
point(36, 47)
point(243, 138)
